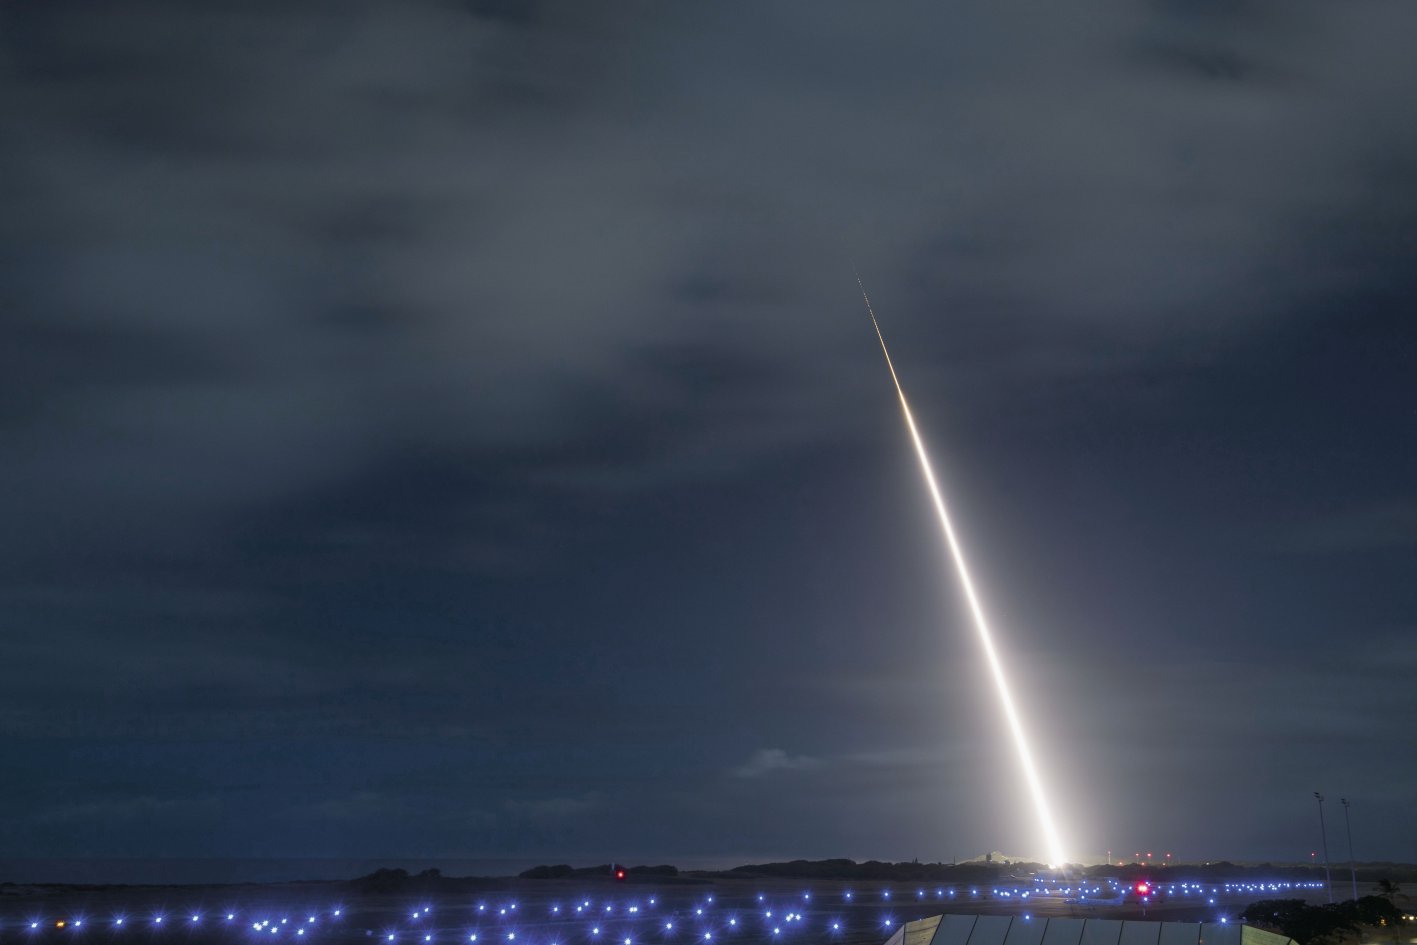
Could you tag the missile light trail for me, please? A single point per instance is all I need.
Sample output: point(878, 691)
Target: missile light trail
point(1025, 756)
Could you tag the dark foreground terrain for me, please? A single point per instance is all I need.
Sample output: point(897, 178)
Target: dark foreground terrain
point(734, 908)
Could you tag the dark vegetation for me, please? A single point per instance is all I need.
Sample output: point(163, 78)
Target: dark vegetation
point(1321, 925)
point(432, 881)
point(562, 871)
point(428, 882)
point(871, 870)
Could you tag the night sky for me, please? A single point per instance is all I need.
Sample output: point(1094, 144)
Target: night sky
point(438, 428)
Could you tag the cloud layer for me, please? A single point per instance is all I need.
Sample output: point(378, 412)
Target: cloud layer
point(490, 376)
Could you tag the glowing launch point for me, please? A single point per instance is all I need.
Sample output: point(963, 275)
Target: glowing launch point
point(1025, 756)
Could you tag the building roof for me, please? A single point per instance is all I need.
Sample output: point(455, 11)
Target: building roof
point(1018, 930)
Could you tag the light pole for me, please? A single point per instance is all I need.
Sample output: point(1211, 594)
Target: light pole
point(1352, 867)
point(1323, 832)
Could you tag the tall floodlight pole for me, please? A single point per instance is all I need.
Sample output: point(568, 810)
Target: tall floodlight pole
point(1352, 866)
point(1323, 832)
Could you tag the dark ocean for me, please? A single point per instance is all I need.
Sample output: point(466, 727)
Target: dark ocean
point(204, 871)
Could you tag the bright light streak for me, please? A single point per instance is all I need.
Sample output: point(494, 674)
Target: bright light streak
point(1030, 771)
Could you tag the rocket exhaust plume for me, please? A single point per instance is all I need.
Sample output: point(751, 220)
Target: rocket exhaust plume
point(1025, 756)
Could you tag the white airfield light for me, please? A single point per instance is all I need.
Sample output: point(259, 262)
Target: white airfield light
point(1030, 771)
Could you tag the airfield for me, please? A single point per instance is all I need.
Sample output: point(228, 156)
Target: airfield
point(585, 912)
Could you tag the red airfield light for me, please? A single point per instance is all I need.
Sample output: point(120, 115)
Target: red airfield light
point(619, 874)
point(1143, 889)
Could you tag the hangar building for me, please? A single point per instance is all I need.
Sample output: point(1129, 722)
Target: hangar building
point(1020, 930)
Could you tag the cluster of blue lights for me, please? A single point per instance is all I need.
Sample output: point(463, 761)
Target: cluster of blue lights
point(757, 917)
point(154, 921)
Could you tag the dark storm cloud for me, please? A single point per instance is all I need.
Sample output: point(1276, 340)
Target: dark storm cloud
point(1377, 527)
point(483, 372)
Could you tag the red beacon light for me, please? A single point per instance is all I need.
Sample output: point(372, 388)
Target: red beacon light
point(1143, 888)
point(619, 874)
